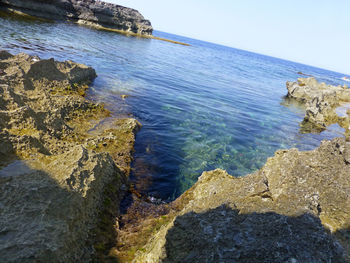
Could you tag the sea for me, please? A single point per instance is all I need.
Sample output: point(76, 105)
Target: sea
point(202, 107)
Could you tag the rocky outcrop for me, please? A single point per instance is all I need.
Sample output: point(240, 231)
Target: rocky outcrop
point(90, 12)
point(295, 209)
point(62, 170)
point(321, 101)
point(49, 206)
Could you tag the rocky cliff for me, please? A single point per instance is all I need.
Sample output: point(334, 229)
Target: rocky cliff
point(62, 171)
point(90, 12)
point(295, 209)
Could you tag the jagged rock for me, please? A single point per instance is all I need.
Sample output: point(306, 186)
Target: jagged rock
point(295, 209)
point(90, 12)
point(55, 187)
point(321, 101)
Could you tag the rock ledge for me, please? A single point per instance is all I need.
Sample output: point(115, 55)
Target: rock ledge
point(60, 185)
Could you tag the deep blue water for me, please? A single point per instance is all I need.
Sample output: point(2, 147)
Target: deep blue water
point(202, 107)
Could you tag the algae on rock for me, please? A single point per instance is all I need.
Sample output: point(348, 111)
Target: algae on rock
point(295, 209)
point(59, 196)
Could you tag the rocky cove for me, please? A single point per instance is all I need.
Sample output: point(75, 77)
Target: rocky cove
point(61, 185)
point(294, 209)
point(65, 162)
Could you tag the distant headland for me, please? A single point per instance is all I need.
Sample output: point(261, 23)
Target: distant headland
point(92, 13)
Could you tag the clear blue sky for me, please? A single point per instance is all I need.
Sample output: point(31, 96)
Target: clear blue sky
point(313, 32)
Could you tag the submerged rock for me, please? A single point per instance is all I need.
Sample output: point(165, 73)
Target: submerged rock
point(321, 101)
point(295, 209)
point(58, 181)
point(90, 12)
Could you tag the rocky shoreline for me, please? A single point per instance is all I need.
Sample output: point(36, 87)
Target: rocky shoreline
point(63, 174)
point(60, 184)
point(93, 13)
point(321, 102)
point(296, 208)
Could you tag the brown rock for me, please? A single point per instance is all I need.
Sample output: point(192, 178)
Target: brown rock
point(321, 101)
point(295, 209)
point(59, 194)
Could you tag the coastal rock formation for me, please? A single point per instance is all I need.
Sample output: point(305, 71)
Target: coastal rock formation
point(50, 205)
point(62, 169)
point(295, 209)
point(90, 12)
point(321, 101)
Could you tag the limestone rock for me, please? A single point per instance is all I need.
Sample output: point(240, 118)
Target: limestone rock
point(55, 185)
point(321, 101)
point(295, 209)
point(90, 12)
point(49, 206)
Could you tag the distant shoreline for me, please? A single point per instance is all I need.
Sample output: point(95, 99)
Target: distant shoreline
point(29, 14)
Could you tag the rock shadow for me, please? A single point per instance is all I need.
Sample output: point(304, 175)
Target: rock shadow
point(37, 218)
point(224, 235)
point(49, 218)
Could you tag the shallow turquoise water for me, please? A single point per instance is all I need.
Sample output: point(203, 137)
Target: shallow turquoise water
point(202, 107)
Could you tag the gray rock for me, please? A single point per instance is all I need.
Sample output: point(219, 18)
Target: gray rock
point(321, 101)
point(90, 12)
point(48, 208)
point(226, 235)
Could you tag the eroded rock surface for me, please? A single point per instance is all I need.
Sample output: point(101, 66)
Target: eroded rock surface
point(49, 206)
point(295, 209)
point(58, 180)
point(321, 101)
point(90, 12)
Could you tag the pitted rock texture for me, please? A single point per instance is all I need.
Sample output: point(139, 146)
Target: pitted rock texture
point(321, 101)
point(56, 177)
point(49, 206)
point(90, 12)
point(295, 209)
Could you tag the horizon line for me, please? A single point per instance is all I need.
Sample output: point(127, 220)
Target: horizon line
point(255, 52)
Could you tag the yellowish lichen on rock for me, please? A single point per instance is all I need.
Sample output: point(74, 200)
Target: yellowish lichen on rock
point(50, 177)
point(299, 203)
